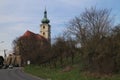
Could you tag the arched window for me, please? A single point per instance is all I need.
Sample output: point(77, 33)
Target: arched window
point(43, 27)
point(43, 33)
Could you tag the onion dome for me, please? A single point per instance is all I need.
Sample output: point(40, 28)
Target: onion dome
point(45, 19)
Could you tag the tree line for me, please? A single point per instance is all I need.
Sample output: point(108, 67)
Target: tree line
point(99, 40)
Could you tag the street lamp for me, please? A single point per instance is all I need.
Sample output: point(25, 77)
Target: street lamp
point(4, 49)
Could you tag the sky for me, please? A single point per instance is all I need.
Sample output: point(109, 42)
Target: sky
point(18, 16)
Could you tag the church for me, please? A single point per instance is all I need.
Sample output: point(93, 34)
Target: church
point(45, 29)
point(31, 46)
point(34, 46)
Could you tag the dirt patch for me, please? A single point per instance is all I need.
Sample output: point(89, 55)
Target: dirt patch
point(97, 75)
point(67, 69)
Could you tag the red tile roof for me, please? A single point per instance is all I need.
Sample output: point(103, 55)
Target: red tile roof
point(29, 34)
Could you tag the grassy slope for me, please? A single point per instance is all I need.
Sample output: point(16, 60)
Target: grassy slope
point(57, 74)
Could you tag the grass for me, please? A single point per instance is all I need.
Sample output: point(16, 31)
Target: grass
point(57, 74)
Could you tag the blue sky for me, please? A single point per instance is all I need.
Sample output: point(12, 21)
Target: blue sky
point(18, 16)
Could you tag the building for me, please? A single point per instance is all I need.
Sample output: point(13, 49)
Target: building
point(43, 39)
point(28, 39)
point(45, 28)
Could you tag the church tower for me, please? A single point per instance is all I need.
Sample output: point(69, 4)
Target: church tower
point(45, 28)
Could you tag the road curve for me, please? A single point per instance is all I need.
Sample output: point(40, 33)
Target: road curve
point(15, 74)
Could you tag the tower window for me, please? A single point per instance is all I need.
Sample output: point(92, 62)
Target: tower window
point(43, 33)
point(43, 27)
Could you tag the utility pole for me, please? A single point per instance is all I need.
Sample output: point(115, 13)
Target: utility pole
point(1, 43)
point(5, 55)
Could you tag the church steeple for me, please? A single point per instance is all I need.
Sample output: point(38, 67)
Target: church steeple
point(45, 28)
point(45, 19)
point(45, 13)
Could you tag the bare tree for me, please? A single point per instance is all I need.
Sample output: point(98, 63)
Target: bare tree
point(92, 30)
point(31, 48)
point(91, 23)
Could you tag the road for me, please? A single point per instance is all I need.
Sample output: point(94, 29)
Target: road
point(15, 74)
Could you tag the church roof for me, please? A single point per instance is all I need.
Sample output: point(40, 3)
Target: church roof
point(29, 34)
point(45, 19)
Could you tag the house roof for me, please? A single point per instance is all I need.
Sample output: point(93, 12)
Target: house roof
point(29, 34)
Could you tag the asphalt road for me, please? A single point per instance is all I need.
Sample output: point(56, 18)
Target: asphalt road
point(15, 74)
